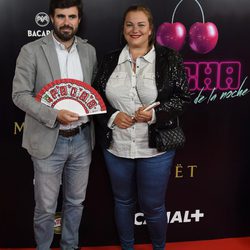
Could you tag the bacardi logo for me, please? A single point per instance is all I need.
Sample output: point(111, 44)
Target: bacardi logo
point(42, 19)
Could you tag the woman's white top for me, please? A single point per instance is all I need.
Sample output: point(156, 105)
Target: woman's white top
point(122, 90)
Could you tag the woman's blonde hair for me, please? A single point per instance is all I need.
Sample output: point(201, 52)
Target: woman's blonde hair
point(149, 15)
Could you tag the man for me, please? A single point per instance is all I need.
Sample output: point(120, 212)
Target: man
point(59, 142)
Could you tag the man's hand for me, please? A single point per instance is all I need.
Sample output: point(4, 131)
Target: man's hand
point(65, 117)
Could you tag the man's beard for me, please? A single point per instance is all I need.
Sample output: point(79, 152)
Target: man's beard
point(65, 35)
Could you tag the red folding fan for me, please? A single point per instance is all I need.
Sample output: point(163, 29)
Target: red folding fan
point(73, 95)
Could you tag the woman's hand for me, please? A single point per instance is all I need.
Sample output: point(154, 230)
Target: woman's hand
point(123, 120)
point(143, 116)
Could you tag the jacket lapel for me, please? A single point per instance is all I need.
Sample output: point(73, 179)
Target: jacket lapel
point(161, 67)
point(50, 53)
point(83, 58)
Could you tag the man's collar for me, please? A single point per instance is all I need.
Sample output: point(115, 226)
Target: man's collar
point(62, 46)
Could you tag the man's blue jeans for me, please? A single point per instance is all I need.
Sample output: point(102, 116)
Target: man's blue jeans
point(144, 179)
point(68, 164)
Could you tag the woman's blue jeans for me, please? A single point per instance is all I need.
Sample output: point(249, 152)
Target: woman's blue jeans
point(145, 180)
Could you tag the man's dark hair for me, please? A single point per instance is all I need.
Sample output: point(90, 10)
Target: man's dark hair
point(63, 4)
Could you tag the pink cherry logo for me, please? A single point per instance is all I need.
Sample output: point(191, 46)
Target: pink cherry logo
point(171, 35)
point(203, 37)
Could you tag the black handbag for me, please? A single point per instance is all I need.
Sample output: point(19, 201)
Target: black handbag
point(169, 138)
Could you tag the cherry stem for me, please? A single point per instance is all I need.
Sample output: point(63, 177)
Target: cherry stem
point(202, 13)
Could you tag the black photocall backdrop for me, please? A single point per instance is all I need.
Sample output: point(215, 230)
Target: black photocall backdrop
point(208, 194)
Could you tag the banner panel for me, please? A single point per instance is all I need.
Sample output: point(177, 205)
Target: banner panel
point(208, 194)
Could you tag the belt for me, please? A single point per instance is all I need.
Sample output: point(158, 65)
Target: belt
point(73, 131)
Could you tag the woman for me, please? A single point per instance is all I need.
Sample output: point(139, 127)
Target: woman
point(129, 80)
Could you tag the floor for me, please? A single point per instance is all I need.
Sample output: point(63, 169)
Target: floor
point(220, 244)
